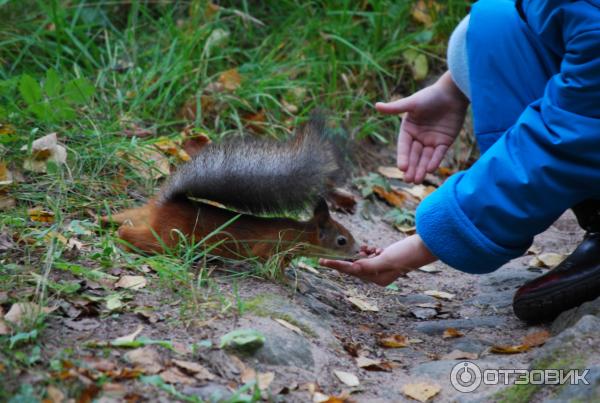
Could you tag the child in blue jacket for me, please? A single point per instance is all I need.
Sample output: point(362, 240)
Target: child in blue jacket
point(531, 71)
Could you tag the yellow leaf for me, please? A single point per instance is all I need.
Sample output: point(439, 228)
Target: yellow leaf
point(451, 333)
point(536, 339)
point(230, 79)
point(6, 177)
point(40, 215)
point(421, 391)
point(169, 147)
point(131, 282)
point(509, 349)
point(6, 129)
point(439, 294)
point(393, 197)
point(363, 305)
point(393, 341)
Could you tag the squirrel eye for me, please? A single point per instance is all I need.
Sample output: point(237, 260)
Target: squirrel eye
point(341, 240)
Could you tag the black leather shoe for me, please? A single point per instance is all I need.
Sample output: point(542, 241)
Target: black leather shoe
point(573, 282)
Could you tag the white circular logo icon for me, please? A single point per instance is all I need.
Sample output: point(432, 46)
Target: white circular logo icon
point(465, 377)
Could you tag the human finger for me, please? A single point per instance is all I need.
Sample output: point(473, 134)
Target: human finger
point(342, 266)
point(416, 149)
point(436, 158)
point(395, 107)
point(423, 163)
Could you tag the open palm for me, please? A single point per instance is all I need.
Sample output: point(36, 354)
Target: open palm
point(433, 118)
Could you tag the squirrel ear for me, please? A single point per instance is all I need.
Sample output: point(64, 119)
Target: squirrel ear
point(321, 213)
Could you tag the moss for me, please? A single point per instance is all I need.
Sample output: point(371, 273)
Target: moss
point(265, 305)
point(557, 359)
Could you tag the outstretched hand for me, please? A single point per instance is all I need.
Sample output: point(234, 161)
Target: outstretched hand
point(433, 118)
point(384, 266)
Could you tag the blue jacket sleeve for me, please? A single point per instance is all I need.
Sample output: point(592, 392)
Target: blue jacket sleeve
point(543, 165)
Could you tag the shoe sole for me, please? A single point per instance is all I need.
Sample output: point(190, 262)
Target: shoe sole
point(547, 304)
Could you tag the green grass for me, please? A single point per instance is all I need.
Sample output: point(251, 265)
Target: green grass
point(88, 70)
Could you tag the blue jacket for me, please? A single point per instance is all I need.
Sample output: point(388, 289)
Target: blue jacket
point(535, 82)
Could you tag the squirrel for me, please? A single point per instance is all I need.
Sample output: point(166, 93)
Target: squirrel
point(254, 177)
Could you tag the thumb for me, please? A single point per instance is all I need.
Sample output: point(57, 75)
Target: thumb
point(395, 107)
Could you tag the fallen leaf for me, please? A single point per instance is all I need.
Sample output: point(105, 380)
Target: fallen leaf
point(288, 325)
point(417, 62)
point(264, 379)
point(421, 391)
point(54, 395)
point(536, 339)
point(363, 305)
point(392, 341)
point(128, 338)
point(43, 150)
point(430, 268)
point(148, 163)
point(309, 268)
point(146, 359)
point(169, 147)
point(256, 121)
point(230, 79)
point(392, 197)
point(40, 215)
point(7, 129)
point(371, 364)
point(391, 172)
point(6, 177)
point(347, 378)
point(549, 260)
point(200, 372)
point(174, 375)
point(509, 349)
point(23, 312)
point(534, 250)
point(131, 282)
point(451, 333)
point(83, 325)
point(459, 355)
point(439, 294)
point(420, 191)
point(424, 10)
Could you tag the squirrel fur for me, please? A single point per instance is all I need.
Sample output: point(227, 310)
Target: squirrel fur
point(254, 177)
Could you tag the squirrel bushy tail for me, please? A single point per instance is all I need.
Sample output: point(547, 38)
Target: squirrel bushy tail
point(261, 176)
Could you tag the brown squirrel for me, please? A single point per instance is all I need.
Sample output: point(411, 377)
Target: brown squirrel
point(253, 177)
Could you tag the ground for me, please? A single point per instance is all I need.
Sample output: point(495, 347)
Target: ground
point(101, 101)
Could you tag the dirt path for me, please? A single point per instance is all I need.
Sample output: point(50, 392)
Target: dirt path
point(312, 330)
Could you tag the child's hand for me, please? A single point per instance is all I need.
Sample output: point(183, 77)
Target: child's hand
point(433, 119)
point(382, 267)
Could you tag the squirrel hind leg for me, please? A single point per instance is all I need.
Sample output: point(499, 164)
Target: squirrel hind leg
point(140, 238)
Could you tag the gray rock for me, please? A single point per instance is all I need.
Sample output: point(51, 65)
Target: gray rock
point(284, 347)
point(414, 299)
point(438, 327)
point(423, 313)
point(469, 345)
point(572, 316)
point(210, 393)
point(580, 392)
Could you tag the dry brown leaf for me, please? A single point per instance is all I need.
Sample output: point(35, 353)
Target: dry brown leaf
point(536, 338)
point(424, 10)
point(230, 79)
point(373, 365)
point(288, 325)
point(391, 172)
point(439, 294)
point(169, 147)
point(451, 333)
point(509, 349)
point(131, 282)
point(419, 191)
point(21, 312)
point(256, 121)
point(43, 150)
point(6, 177)
point(347, 378)
point(146, 359)
point(148, 163)
point(6, 202)
point(421, 391)
point(459, 355)
point(54, 395)
point(130, 337)
point(393, 341)
point(174, 375)
point(199, 371)
point(549, 260)
point(363, 305)
point(264, 379)
point(7, 129)
point(393, 197)
point(40, 215)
